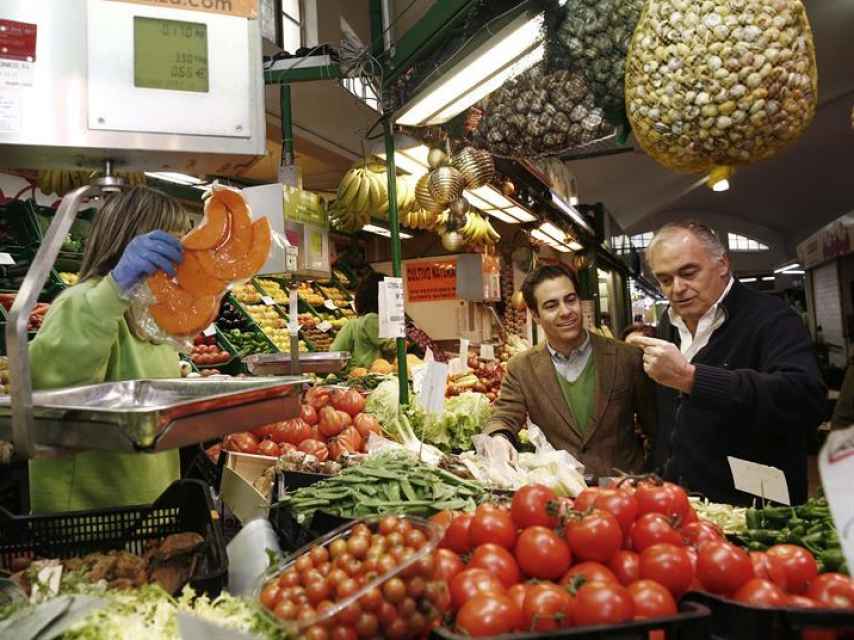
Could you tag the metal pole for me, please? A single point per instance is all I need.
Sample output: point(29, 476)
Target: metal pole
point(394, 227)
point(287, 125)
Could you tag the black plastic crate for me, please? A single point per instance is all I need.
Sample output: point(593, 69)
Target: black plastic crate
point(691, 623)
point(732, 620)
point(293, 535)
point(202, 468)
point(14, 487)
point(185, 506)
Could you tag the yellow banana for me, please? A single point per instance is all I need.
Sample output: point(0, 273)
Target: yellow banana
point(363, 199)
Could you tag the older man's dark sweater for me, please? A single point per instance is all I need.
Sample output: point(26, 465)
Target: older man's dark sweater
point(757, 395)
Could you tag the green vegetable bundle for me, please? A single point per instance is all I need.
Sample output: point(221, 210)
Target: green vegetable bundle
point(465, 415)
point(809, 525)
point(386, 483)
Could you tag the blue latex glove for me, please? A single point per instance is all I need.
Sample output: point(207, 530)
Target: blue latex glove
point(146, 254)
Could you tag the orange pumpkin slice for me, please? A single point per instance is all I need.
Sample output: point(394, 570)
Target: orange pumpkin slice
point(213, 229)
point(227, 261)
point(193, 278)
point(178, 312)
point(260, 250)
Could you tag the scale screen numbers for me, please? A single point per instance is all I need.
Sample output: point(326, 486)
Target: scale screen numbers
point(169, 54)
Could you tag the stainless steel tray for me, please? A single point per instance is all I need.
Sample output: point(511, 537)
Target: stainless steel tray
point(279, 364)
point(155, 415)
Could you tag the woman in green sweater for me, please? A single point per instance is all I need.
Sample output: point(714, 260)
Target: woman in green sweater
point(86, 339)
point(361, 337)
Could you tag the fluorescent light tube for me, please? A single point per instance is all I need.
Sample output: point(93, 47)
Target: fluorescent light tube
point(571, 212)
point(503, 54)
point(795, 272)
point(575, 246)
point(558, 234)
point(521, 214)
point(382, 231)
point(794, 265)
point(747, 280)
point(768, 279)
point(177, 178)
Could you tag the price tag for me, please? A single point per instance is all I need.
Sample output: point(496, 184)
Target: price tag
point(210, 331)
point(432, 396)
point(487, 352)
point(324, 326)
point(836, 466)
point(759, 480)
point(391, 308)
point(428, 355)
point(456, 366)
point(267, 300)
point(464, 350)
point(329, 305)
point(5, 258)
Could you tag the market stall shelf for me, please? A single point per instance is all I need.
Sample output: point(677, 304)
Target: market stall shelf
point(278, 364)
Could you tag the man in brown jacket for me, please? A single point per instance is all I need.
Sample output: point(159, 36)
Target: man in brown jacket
point(582, 390)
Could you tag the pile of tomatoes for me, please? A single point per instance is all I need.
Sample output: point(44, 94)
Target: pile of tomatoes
point(325, 593)
point(207, 353)
point(331, 424)
point(612, 556)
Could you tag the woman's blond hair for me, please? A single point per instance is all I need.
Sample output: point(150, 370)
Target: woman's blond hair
point(124, 216)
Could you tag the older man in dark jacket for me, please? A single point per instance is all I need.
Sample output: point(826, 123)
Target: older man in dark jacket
point(736, 371)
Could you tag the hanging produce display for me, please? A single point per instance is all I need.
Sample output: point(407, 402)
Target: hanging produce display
point(61, 181)
point(540, 114)
point(476, 166)
point(363, 194)
point(596, 36)
point(710, 83)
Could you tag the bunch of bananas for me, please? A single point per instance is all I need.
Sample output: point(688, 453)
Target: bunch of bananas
point(61, 181)
point(346, 219)
point(477, 231)
point(420, 219)
point(363, 194)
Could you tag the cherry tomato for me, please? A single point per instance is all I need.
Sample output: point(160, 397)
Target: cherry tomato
point(760, 593)
point(832, 590)
point(285, 610)
point(368, 625)
point(651, 600)
point(799, 564)
point(696, 533)
point(443, 520)
point(343, 633)
point(602, 603)
point(625, 565)
point(498, 561)
point(489, 614)
point(542, 553)
point(769, 568)
point(668, 565)
point(723, 568)
point(595, 536)
point(547, 607)
point(650, 529)
point(586, 498)
point(469, 582)
point(623, 506)
point(457, 535)
point(394, 590)
point(270, 595)
point(492, 525)
point(533, 505)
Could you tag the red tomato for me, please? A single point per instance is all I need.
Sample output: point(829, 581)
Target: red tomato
point(591, 571)
point(757, 592)
point(469, 582)
point(264, 432)
point(331, 422)
point(800, 602)
point(690, 516)
point(769, 568)
point(668, 565)
point(315, 448)
point(492, 525)
point(542, 553)
point(286, 447)
point(446, 565)
point(457, 536)
point(596, 536)
point(623, 506)
point(602, 603)
point(667, 499)
point(518, 592)
point(351, 402)
point(651, 600)
point(625, 565)
point(309, 414)
point(443, 520)
point(696, 533)
point(367, 424)
point(547, 607)
point(489, 614)
point(243, 442)
point(650, 529)
point(586, 498)
point(317, 397)
point(799, 564)
point(498, 561)
point(832, 590)
point(531, 507)
point(268, 448)
point(723, 568)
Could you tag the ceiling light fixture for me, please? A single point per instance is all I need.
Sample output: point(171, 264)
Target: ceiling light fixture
point(768, 279)
point(571, 212)
point(176, 178)
point(478, 69)
point(747, 280)
point(793, 265)
point(718, 179)
point(385, 233)
point(548, 240)
point(794, 272)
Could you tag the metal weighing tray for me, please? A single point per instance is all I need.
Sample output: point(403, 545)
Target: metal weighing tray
point(279, 364)
point(155, 415)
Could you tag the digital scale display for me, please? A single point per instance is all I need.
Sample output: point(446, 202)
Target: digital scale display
point(169, 54)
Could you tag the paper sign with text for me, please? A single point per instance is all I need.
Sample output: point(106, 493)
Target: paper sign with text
point(391, 308)
point(242, 8)
point(324, 326)
point(464, 352)
point(431, 280)
point(487, 352)
point(836, 466)
point(432, 396)
point(329, 305)
point(759, 480)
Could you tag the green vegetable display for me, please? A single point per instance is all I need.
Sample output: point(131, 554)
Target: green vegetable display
point(386, 483)
point(809, 525)
point(465, 415)
point(248, 342)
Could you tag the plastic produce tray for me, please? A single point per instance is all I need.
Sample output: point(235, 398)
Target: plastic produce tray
point(185, 506)
point(732, 620)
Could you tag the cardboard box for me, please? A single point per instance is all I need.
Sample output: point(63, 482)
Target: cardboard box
point(237, 490)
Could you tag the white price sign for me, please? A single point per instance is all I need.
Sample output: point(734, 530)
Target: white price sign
point(210, 331)
point(836, 466)
point(456, 366)
point(759, 480)
point(464, 351)
point(433, 385)
point(5, 258)
point(487, 352)
point(267, 300)
point(391, 314)
point(324, 326)
point(329, 305)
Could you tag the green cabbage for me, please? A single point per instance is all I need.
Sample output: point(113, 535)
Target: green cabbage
point(465, 415)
